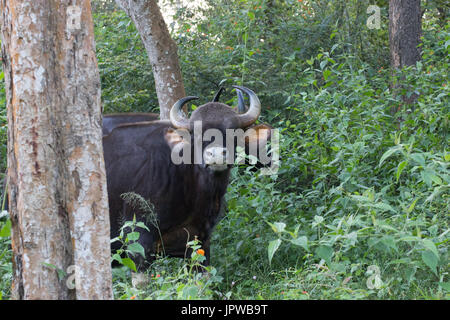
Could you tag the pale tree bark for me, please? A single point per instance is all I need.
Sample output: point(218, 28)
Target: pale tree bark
point(405, 30)
point(161, 51)
point(57, 185)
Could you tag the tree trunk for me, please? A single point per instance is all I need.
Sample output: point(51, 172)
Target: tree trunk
point(161, 51)
point(405, 29)
point(57, 185)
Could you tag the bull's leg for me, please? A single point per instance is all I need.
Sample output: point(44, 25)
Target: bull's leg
point(206, 247)
point(146, 240)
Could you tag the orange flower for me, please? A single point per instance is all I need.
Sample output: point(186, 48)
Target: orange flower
point(133, 297)
point(201, 252)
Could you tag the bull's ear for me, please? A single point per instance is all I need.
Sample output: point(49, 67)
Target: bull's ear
point(259, 134)
point(176, 137)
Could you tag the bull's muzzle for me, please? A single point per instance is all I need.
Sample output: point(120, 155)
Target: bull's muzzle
point(215, 158)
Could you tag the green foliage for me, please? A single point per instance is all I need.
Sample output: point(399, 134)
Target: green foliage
point(358, 188)
point(359, 208)
point(172, 279)
point(128, 238)
point(5, 257)
point(126, 75)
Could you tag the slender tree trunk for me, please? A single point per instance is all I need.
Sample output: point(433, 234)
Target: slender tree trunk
point(405, 30)
point(161, 50)
point(57, 185)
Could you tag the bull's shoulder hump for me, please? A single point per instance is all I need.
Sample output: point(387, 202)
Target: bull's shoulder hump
point(143, 124)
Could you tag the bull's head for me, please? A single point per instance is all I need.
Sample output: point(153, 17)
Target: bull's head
point(214, 130)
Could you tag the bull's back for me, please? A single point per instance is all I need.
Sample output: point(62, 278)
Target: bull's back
point(111, 121)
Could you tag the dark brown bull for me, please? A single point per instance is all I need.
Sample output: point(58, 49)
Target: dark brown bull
point(187, 197)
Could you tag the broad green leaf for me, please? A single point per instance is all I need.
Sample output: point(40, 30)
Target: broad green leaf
point(427, 243)
point(445, 286)
point(389, 153)
point(133, 236)
point(386, 226)
point(190, 292)
point(389, 242)
point(384, 207)
point(117, 258)
point(301, 241)
point(429, 176)
point(430, 259)
point(277, 226)
point(6, 230)
point(419, 158)
point(400, 168)
point(412, 206)
point(127, 262)
point(325, 253)
point(136, 247)
point(273, 247)
point(142, 225)
point(318, 219)
point(410, 238)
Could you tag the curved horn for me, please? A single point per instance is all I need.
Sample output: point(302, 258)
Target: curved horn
point(254, 110)
point(217, 96)
point(177, 116)
point(241, 102)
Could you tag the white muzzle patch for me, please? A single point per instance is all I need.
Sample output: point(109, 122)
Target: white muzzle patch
point(215, 158)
